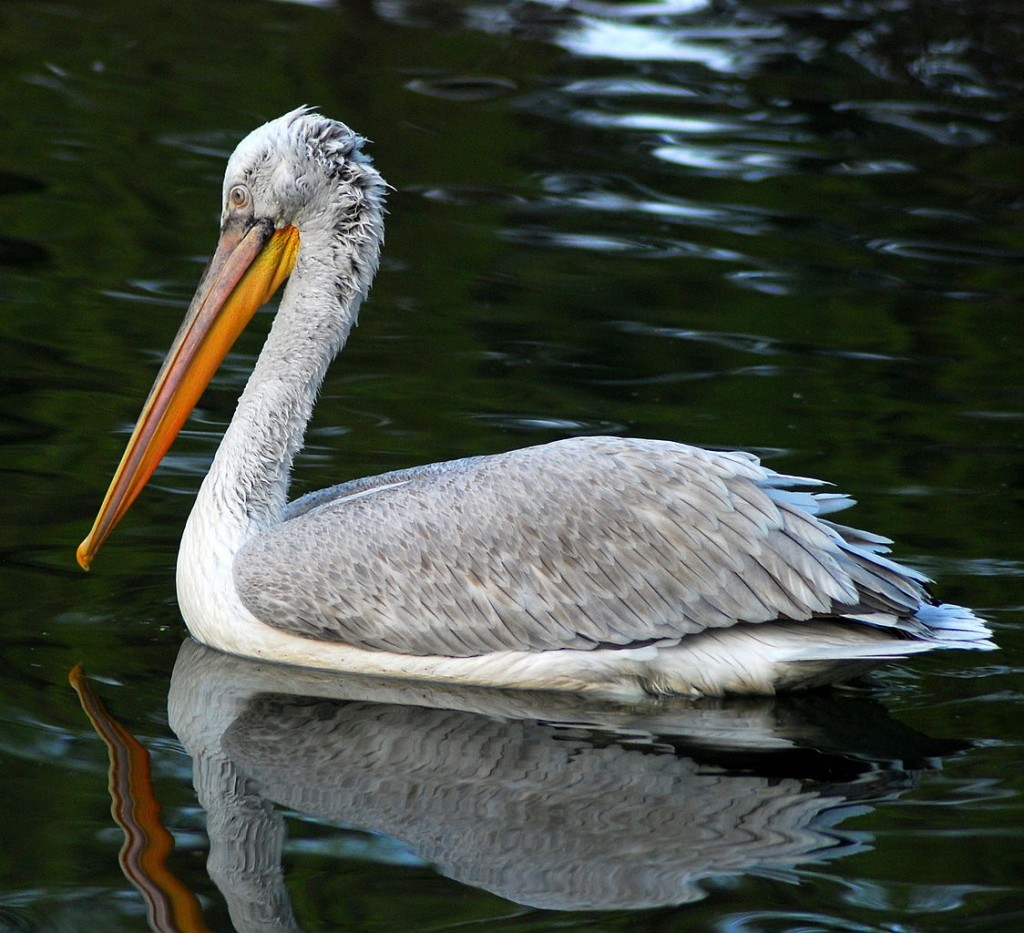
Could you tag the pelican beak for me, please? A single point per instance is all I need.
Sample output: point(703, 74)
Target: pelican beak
point(251, 261)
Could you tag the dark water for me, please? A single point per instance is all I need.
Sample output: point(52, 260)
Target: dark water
point(793, 228)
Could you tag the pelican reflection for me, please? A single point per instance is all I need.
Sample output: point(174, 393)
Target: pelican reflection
point(542, 799)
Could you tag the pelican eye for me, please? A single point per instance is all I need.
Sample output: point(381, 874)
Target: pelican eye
point(239, 197)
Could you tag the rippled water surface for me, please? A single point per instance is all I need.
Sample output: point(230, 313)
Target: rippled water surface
point(792, 228)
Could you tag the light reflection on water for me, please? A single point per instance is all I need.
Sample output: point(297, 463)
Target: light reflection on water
point(791, 229)
point(731, 50)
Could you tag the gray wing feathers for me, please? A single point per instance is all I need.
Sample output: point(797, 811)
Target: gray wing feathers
point(581, 543)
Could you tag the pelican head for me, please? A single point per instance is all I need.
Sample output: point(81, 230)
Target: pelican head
point(301, 170)
point(300, 178)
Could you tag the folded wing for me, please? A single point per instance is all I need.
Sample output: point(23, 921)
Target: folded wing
point(584, 543)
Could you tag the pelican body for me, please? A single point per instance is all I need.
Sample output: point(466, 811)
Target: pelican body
point(624, 567)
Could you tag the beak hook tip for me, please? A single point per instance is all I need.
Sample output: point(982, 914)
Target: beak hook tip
point(83, 555)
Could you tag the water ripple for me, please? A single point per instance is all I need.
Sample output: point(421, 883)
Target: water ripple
point(216, 145)
point(933, 121)
point(592, 193)
point(746, 162)
point(462, 87)
point(619, 86)
point(728, 49)
point(171, 294)
point(469, 195)
point(543, 422)
point(632, 246)
point(658, 122)
point(957, 253)
point(756, 344)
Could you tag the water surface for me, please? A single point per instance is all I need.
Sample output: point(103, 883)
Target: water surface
point(787, 228)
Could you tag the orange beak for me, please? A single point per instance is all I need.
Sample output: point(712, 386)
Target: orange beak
point(249, 265)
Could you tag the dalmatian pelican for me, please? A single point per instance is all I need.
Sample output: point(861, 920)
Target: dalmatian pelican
point(622, 567)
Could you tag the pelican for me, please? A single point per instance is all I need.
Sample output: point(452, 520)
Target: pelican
point(620, 567)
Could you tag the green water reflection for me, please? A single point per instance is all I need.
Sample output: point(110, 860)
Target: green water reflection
point(794, 229)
